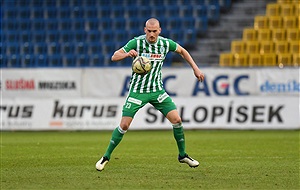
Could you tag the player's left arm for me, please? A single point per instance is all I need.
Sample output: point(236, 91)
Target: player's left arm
point(186, 55)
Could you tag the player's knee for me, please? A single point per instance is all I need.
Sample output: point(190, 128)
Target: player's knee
point(175, 120)
point(124, 125)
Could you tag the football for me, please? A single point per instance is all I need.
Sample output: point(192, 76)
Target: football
point(141, 65)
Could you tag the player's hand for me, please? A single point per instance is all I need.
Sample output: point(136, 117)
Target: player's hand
point(132, 53)
point(199, 75)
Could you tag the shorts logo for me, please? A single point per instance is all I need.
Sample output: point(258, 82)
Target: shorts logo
point(162, 97)
point(135, 101)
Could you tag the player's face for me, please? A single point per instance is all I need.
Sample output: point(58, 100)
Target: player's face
point(152, 32)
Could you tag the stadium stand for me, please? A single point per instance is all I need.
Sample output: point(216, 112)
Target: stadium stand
point(78, 33)
point(272, 41)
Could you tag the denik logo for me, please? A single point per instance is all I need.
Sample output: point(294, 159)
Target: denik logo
point(273, 87)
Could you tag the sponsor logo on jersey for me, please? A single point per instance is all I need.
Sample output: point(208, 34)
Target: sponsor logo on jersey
point(153, 56)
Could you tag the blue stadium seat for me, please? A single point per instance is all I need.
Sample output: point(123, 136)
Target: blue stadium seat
point(186, 11)
point(93, 36)
point(96, 60)
point(133, 23)
point(83, 60)
point(105, 23)
point(76, 3)
point(158, 11)
point(51, 12)
point(26, 36)
point(25, 24)
point(213, 13)
point(38, 13)
point(90, 12)
point(107, 36)
point(54, 48)
point(121, 36)
point(50, 3)
point(24, 12)
point(69, 60)
point(55, 60)
point(41, 61)
point(94, 48)
point(64, 12)
point(117, 12)
point(80, 36)
point(10, 13)
point(177, 36)
point(143, 12)
point(38, 24)
point(11, 36)
point(2, 48)
point(13, 48)
point(66, 36)
point(134, 33)
point(40, 48)
point(174, 23)
point(93, 23)
point(37, 4)
point(188, 23)
point(27, 48)
point(3, 61)
point(10, 24)
point(201, 25)
point(52, 36)
point(67, 48)
point(65, 24)
point(119, 23)
point(81, 48)
point(104, 12)
point(171, 10)
point(225, 5)
point(108, 48)
point(39, 36)
point(200, 11)
point(78, 24)
point(28, 61)
point(14, 61)
point(189, 36)
point(51, 24)
point(77, 12)
point(91, 3)
point(64, 3)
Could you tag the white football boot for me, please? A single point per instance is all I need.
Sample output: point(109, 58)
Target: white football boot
point(101, 163)
point(188, 160)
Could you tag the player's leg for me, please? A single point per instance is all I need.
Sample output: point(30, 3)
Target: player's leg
point(163, 102)
point(178, 132)
point(116, 138)
point(133, 103)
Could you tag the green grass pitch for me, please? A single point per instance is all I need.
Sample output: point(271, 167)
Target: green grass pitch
point(148, 160)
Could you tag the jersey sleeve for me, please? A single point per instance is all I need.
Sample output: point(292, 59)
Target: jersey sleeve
point(132, 44)
point(172, 45)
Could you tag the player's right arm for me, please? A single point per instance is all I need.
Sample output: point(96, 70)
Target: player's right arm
point(129, 50)
point(121, 54)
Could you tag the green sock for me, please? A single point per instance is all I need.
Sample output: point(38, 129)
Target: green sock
point(179, 137)
point(116, 138)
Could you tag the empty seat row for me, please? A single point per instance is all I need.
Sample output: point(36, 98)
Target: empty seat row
point(289, 34)
point(283, 9)
point(69, 60)
point(132, 11)
point(240, 46)
point(273, 22)
point(258, 60)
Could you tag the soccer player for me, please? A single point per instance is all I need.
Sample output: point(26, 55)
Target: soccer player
point(149, 88)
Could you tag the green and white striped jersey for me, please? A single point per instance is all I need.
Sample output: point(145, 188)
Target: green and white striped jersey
point(156, 53)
